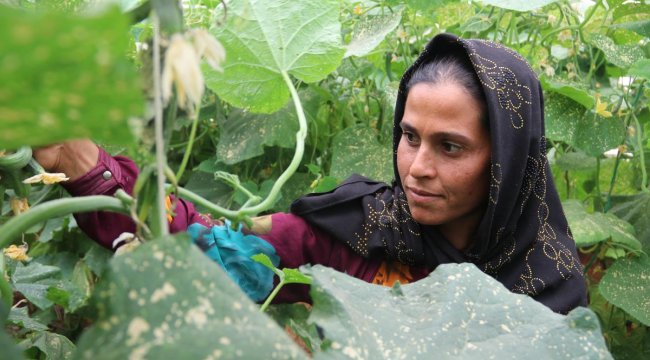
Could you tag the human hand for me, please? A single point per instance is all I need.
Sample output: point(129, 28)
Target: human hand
point(74, 157)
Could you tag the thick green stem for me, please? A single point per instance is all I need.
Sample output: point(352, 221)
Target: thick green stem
point(17, 225)
point(6, 293)
point(161, 227)
point(639, 144)
point(188, 149)
point(297, 156)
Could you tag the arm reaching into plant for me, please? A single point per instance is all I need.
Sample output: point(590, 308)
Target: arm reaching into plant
point(295, 241)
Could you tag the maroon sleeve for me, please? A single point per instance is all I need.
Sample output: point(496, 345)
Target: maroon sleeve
point(297, 243)
point(109, 175)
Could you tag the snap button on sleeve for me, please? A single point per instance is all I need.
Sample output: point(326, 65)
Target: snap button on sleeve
point(107, 175)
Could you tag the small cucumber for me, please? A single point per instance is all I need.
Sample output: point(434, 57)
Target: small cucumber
point(17, 160)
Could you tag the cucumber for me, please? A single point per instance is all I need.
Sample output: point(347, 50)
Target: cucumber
point(17, 160)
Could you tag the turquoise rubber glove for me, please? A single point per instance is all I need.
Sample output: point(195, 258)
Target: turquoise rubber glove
point(232, 250)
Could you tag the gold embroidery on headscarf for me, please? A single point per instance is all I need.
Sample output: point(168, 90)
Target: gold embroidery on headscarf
point(546, 240)
point(511, 94)
point(393, 215)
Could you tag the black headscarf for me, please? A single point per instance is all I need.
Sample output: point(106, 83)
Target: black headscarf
point(523, 240)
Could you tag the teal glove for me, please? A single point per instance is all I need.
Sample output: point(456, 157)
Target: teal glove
point(232, 250)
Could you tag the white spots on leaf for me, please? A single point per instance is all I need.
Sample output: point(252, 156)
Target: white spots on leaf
point(216, 354)
point(505, 328)
point(224, 341)
point(158, 255)
point(166, 290)
point(136, 328)
point(133, 295)
point(237, 305)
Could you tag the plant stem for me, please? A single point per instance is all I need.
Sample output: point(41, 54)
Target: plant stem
point(297, 156)
point(188, 149)
point(639, 144)
point(162, 227)
point(57, 208)
point(6, 292)
point(272, 296)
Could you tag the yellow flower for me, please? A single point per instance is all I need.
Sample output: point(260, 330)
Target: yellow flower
point(19, 205)
point(358, 10)
point(2, 153)
point(18, 253)
point(47, 178)
point(601, 108)
point(207, 47)
point(182, 70)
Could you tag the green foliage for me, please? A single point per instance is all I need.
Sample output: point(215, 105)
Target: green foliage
point(306, 45)
point(567, 121)
point(356, 150)
point(519, 5)
point(456, 312)
point(167, 299)
point(627, 285)
point(634, 209)
point(62, 74)
point(590, 229)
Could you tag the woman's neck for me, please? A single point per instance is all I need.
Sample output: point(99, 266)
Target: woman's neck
point(460, 232)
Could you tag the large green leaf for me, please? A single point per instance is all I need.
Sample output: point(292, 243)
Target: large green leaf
point(371, 30)
point(422, 5)
point(65, 77)
point(52, 345)
point(166, 299)
point(457, 312)
point(7, 344)
point(636, 210)
point(264, 39)
point(356, 150)
point(34, 281)
point(630, 9)
point(573, 91)
point(244, 134)
point(589, 229)
point(619, 55)
point(640, 68)
point(641, 27)
point(518, 4)
point(627, 285)
point(567, 121)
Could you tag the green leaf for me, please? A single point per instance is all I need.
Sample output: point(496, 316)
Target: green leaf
point(518, 5)
point(568, 121)
point(166, 299)
point(244, 135)
point(294, 276)
point(589, 229)
point(576, 161)
point(264, 39)
point(20, 316)
point(477, 23)
point(635, 210)
point(294, 317)
point(421, 5)
point(7, 344)
point(54, 346)
point(457, 312)
point(371, 30)
point(627, 285)
point(571, 90)
point(33, 272)
point(65, 77)
point(266, 261)
point(640, 68)
point(630, 9)
point(641, 27)
point(620, 55)
point(356, 150)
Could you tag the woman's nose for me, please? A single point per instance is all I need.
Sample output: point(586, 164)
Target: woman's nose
point(423, 164)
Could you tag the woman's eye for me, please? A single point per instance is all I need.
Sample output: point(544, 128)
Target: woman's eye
point(410, 137)
point(451, 147)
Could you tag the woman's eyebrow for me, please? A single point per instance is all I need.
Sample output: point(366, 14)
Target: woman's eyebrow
point(443, 134)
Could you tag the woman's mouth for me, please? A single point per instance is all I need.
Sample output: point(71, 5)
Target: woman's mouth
point(419, 195)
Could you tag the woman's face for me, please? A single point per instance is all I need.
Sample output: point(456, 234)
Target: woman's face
point(443, 156)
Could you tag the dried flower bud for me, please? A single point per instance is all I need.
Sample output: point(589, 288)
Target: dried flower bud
point(182, 70)
point(18, 253)
point(46, 178)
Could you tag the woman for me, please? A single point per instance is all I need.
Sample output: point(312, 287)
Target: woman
point(472, 185)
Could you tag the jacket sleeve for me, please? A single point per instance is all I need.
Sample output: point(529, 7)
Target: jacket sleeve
point(109, 175)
